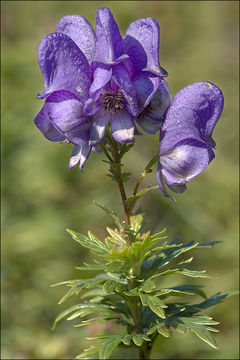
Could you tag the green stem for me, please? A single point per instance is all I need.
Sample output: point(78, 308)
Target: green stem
point(145, 350)
point(144, 173)
point(105, 151)
point(118, 170)
point(134, 303)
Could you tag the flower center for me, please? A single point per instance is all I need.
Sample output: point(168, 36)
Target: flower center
point(146, 111)
point(112, 100)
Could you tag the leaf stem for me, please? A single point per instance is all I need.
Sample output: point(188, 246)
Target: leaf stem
point(105, 151)
point(144, 173)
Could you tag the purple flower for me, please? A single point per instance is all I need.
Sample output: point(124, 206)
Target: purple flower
point(92, 78)
point(122, 87)
point(185, 146)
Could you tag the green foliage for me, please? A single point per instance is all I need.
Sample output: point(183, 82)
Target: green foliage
point(126, 288)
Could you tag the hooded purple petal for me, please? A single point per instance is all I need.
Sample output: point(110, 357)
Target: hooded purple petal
point(45, 125)
point(80, 31)
point(142, 45)
point(185, 147)
point(66, 114)
point(198, 106)
point(109, 45)
point(80, 154)
point(98, 127)
point(63, 65)
point(122, 127)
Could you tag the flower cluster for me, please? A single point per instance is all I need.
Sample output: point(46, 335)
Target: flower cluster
point(94, 80)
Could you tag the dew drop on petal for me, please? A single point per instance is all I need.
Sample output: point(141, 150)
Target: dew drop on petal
point(206, 85)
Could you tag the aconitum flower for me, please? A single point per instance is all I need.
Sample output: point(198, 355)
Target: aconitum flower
point(185, 146)
point(93, 78)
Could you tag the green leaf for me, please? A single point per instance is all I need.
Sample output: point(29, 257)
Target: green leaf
point(207, 244)
point(232, 293)
point(136, 222)
point(194, 289)
point(127, 339)
point(171, 292)
point(194, 273)
point(197, 325)
point(91, 307)
point(164, 331)
point(74, 290)
point(92, 267)
point(91, 242)
point(126, 176)
point(150, 241)
point(116, 237)
point(108, 346)
point(112, 214)
point(132, 200)
point(213, 300)
point(153, 264)
point(125, 148)
point(90, 351)
point(155, 304)
point(204, 335)
point(65, 313)
point(109, 286)
point(99, 319)
point(138, 339)
point(148, 286)
point(201, 320)
point(71, 283)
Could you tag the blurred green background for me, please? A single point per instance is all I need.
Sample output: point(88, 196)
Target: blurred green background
point(41, 198)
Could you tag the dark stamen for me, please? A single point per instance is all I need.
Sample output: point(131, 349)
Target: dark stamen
point(112, 101)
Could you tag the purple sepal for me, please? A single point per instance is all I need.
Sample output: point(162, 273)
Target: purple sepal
point(161, 183)
point(109, 45)
point(146, 85)
point(63, 65)
point(44, 124)
point(154, 96)
point(101, 77)
point(80, 31)
point(79, 154)
point(161, 100)
point(150, 125)
point(122, 127)
point(98, 127)
point(66, 114)
point(142, 45)
point(184, 162)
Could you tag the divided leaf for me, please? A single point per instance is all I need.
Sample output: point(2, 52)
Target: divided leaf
point(197, 325)
point(154, 303)
point(108, 346)
point(91, 242)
